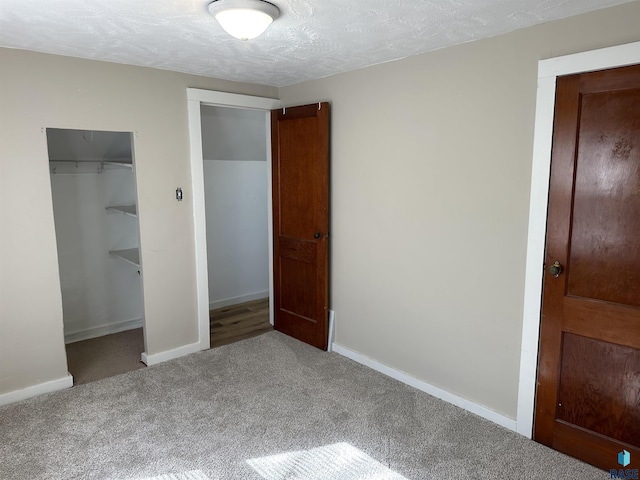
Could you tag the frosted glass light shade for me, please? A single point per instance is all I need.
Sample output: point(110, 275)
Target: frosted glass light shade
point(244, 19)
point(243, 24)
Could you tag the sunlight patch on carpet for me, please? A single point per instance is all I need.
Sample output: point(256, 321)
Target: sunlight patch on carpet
point(340, 461)
point(190, 475)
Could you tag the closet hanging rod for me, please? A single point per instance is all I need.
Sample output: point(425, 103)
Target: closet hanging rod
point(76, 161)
point(75, 166)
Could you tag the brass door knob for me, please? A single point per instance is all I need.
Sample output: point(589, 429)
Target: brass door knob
point(555, 269)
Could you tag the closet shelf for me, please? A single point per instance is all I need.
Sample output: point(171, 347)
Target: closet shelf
point(87, 166)
point(118, 163)
point(66, 160)
point(74, 166)
point(131, 256)
point(130, 210)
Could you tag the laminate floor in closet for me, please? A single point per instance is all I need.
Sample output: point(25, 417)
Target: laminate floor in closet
point(238, 322)
point(102, 357)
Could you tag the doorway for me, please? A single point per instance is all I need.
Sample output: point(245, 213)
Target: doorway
point(94, 202)
point(311, 134)
point(197, 98)
point(548, 71)
point(589, 357)
point(234, 146)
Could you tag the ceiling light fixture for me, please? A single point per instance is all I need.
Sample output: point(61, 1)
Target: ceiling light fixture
point(244, 19)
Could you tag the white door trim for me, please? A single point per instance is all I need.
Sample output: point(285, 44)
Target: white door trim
point(548, 70)
point(196, 98)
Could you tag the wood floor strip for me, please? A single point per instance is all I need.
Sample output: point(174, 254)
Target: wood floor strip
point(238, 319)
point(239, 322)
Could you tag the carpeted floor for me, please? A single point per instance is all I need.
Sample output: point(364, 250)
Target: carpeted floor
point(109, 355)
point(103, 357)
point(221, 411)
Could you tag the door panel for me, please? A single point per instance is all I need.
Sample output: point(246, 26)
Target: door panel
point(295, 278)
point(586, 365)
point(588, 396)
point(300, 144)
point(605, 251)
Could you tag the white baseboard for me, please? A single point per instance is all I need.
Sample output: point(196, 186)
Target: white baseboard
point(332, 330)
point(171, 354)
point(432, 390)
point(102, 330)
point(225, 302)
point(35, 390)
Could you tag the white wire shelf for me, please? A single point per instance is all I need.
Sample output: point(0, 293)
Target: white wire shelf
point(131, 256)
point(130, 210)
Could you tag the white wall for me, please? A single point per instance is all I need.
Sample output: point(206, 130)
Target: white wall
point(235, 176)
point(430, 176)
point(100, 294)
point(233, 134)
point(39, 91)
point(237, 243)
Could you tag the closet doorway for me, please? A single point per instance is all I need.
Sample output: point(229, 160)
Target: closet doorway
point(236, 180)
point(94, 198)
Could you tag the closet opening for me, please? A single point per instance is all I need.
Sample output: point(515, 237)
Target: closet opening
point(93, 188)
point(236, 194)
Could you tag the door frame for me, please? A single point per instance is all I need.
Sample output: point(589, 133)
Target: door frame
point(195, 99)
point(548, 71)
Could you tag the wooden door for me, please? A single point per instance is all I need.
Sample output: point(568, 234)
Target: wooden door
point(588, 396)
point(300, 162)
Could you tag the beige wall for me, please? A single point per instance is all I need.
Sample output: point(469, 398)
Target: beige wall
point(39, 91)
point(431, 161)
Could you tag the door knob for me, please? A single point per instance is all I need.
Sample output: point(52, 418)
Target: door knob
point(555, 269)
point(317, 235)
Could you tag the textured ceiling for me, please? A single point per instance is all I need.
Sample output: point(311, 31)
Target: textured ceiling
point(311, 39)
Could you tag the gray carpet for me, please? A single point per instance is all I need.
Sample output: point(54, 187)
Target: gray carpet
point(219, 412)
point(192, 475)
